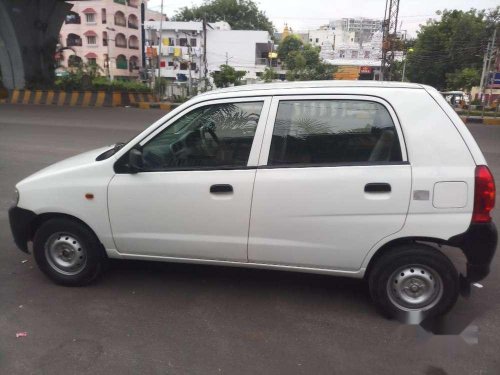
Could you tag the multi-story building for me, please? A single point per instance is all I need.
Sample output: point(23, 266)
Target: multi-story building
point(106, 33)
point(363, 28)
point(183, 49)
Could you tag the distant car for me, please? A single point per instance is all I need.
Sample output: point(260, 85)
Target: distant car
point(358, 179)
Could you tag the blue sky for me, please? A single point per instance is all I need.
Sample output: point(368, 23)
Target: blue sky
point(304, 14)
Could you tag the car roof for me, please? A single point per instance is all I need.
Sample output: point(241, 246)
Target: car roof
point(312, 84)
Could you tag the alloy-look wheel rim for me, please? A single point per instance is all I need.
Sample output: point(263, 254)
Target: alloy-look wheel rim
point(415, 287)
point(65, 253)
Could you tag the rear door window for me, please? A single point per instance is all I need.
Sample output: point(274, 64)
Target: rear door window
point(322, 132)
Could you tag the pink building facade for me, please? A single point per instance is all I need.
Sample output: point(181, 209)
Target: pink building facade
point(106, 33)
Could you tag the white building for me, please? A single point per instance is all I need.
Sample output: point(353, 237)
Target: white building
point(183, 49)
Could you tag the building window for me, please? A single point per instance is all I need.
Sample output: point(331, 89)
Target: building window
point(92, 61)
point(184, 66)
point(74, 61)
point(183, 42)
point(73, 40)
point(315, 132)
point(342, 54)
point(121, 62)
point(193, 42)
point(120, 41)
point(133, 42)
point(120, 19)
point(170, 63)
point(105, 38)
point(72, 18)
point(367, 54)
point(133, 22)
point(90, 17)
point(354, 54)
point(92, 40)
point(103, 15)
point(193, 66)
point(317, 40)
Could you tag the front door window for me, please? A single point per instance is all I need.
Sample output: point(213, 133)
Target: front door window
point(218, 135)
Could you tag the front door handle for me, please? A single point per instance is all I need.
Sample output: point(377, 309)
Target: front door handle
point(221, 188)
point(377, 187)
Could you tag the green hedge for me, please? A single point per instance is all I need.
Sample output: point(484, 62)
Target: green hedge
point(70, 83)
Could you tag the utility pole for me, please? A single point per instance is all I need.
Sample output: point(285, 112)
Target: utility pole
point(488, 57)
point(110, 77)
point(159, 51)
point(205, 68)
point(227, 59)
point(389, 39)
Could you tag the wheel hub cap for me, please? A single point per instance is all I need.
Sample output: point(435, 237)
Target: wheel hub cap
point(415, 288)
point(65, 253)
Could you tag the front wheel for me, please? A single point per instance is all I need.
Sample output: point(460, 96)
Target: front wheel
point(414, 282)
point(68, 252)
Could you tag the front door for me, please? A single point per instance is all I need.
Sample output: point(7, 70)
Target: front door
point(192, 197)
point(333, 180)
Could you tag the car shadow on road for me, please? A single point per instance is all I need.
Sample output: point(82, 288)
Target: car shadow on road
point(295, 288)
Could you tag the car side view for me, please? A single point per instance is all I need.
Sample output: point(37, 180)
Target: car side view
point(360, 179)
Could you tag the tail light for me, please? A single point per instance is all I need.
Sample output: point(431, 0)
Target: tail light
point(484, 195)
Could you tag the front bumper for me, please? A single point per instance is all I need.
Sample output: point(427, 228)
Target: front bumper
point(20, 225)
point(479, 244)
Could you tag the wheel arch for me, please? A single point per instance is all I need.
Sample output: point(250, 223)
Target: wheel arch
point(389, 246)
point(44, 217)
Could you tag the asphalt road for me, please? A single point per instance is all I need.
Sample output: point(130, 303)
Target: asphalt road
point(159, 318)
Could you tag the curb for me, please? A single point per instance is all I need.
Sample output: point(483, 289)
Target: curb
point(162, 106)
point(481, 120)
point(77, 98)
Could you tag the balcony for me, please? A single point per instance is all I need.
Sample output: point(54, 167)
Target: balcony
point(123, 2)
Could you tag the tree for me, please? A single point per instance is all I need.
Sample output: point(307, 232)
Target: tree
point(302, 61)
point(226, 76)
point(446, 47)
point(239, 14)
point(463, 79)
point(269, 75)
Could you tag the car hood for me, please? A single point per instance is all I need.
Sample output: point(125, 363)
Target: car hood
point(75, 162)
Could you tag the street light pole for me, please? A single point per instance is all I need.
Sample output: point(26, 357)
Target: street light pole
point(110, 77)
point(159, 51)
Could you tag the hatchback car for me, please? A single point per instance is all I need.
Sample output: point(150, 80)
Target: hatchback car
point(358, 179)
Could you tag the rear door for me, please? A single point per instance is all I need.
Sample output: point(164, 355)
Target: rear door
point(333, 180)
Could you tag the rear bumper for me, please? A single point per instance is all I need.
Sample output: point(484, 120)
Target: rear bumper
point(479, 244)
point(20, 225)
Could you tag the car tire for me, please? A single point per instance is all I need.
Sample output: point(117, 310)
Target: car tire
point(68, 252)
point(414, 282)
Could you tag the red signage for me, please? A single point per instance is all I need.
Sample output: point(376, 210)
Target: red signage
point(366, 70)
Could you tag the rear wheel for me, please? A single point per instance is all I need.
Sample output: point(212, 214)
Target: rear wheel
point(414, 282)
point(68, 252)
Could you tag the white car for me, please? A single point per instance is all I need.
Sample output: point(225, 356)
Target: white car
point(358, 179)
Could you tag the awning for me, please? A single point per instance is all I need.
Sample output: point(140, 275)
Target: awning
point(89, 10)
point(89, 33)
point(91, 55)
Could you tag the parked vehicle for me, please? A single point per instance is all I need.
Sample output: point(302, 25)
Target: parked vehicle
point(359, 179)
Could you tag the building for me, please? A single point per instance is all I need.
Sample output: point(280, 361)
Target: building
point(362, 28)
point(106, 33)
point(183, 50)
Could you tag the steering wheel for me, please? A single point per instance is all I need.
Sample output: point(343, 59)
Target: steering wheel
point(210, 145)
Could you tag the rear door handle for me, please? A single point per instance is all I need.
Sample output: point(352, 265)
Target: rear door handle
point(377, 187)
point(221, 188)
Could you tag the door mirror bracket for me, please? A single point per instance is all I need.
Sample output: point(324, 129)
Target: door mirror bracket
point(135, 162)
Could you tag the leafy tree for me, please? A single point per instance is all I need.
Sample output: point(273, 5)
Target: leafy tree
point(446, 47)
point(240, 14)
point(226, 76)
point(302, 61)
point(268, 75)
point(463, 79)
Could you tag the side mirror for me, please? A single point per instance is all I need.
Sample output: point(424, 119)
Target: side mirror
point(135, 160)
